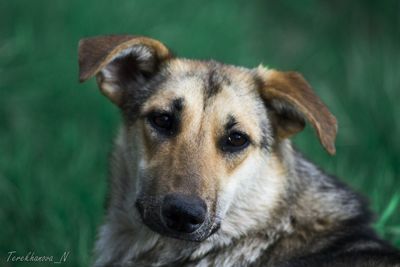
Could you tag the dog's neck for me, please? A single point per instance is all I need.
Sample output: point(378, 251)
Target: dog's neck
point(250, 226)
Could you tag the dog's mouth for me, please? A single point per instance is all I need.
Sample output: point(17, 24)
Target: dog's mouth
point(178, 216)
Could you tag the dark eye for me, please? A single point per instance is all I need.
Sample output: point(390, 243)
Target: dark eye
point(162, 122)
point(235, 141)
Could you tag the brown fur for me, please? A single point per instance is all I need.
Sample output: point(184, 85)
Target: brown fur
point(292, 88)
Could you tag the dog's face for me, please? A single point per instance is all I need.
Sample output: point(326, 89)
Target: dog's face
point(201, 127)
point(199, 131)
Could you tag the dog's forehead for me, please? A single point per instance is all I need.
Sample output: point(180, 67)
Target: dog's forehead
point(212, 96)
point(205, 84)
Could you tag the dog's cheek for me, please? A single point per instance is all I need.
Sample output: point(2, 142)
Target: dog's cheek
point(146, 142)
point(138, 147)
point(237, 178)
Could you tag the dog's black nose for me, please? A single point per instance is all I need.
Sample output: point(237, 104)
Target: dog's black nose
point(183, 213)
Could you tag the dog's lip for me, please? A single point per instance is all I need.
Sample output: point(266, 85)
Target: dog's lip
point(214, 229)
point(193, 236)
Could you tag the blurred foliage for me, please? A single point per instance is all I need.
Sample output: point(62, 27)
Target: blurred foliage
point(55, 134)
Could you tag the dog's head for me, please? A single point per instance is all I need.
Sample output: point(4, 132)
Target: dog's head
point(204, 130)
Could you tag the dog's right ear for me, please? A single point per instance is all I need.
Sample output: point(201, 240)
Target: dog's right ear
point(293, 101)
point(120, 62)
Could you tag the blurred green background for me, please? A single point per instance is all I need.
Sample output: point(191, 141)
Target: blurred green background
point(55, 134)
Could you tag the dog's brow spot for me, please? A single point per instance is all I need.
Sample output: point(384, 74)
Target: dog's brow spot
point(178, 104)
point(231, 122)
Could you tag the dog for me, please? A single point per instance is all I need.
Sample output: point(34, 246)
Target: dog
point(203, 172)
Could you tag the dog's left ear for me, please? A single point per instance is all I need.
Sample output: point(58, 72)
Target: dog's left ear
point(120, 62)
point(292, 101)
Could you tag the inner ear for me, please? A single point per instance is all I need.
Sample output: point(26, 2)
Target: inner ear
point(286, 121)
point(132, 68)
point(138, 60)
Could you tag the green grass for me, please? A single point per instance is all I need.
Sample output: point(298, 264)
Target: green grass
point(55, 135)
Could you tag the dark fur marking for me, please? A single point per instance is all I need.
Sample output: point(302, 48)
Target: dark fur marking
point(214, 80)
point(213, 85)
point(177, 104)
point(176, 109)
point(231, 122)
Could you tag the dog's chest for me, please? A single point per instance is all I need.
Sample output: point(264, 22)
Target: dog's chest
point(244, 252)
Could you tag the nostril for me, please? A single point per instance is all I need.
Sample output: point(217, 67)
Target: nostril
point(195, 220)
point(183, 213)
point(171, 215)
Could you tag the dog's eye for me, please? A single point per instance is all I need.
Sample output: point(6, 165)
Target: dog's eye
point(235, 141)
point(162, 122)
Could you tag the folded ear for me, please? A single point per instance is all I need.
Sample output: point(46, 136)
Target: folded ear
point(120, 62)
point(292, 101)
